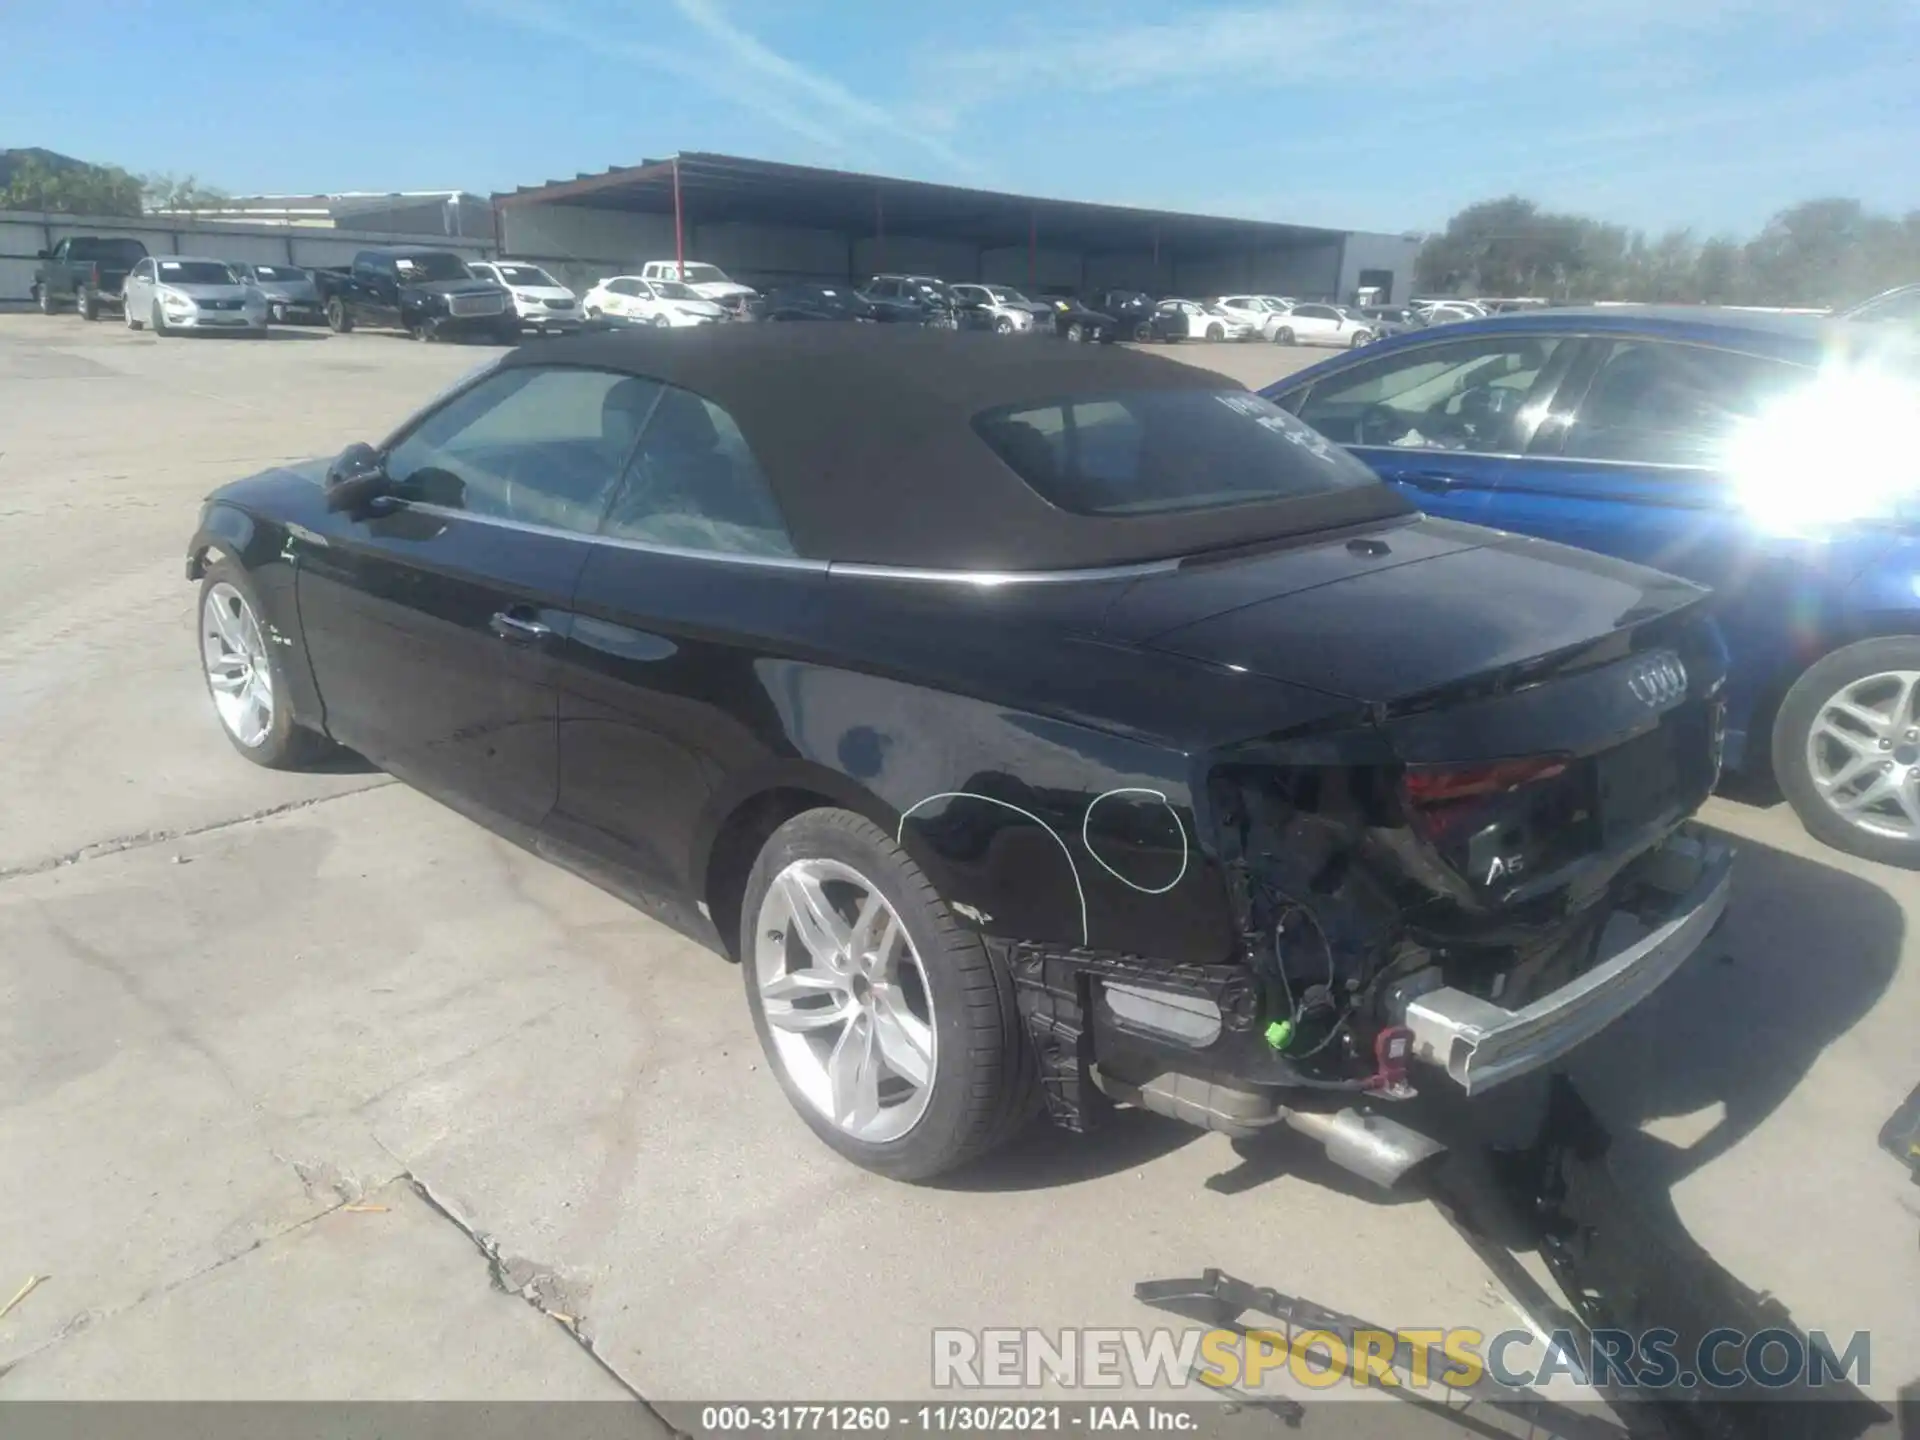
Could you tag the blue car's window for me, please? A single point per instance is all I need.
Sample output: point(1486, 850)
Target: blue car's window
point(1458, 395)
point(1160, 452)
point(1658, 403)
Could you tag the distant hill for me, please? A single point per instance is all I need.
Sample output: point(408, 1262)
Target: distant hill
point(12, 160)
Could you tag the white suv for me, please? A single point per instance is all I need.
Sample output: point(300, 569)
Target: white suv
point(540, 300)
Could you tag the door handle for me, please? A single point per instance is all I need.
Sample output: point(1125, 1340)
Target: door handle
point(518, 629)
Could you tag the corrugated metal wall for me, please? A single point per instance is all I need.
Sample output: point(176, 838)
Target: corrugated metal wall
point(23, 233)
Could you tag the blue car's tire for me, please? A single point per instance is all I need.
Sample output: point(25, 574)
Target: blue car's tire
point(1846, 749)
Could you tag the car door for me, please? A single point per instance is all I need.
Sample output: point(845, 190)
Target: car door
point(432, 617)
point(688, 602)
point(1441, 420)
point(376, 290)
point(138, 291)
point(1632, 461)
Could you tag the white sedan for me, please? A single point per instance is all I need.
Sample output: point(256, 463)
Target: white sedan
point(1207, 322)
point(661, 303)
point(1314, 324)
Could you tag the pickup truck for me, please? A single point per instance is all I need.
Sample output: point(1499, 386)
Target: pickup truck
point(709, 282)
point(85, 271)
point(428, 293)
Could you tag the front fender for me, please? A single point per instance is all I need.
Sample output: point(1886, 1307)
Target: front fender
point(262, 551)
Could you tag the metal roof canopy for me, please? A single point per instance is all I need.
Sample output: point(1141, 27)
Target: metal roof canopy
point(725, 188)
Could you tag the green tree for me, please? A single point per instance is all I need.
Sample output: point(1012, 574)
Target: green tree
point(75, 190)
point(186, 193)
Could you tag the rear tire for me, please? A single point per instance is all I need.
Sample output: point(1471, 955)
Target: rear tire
point(1216, 332)
point(43, 297)
point(1793, 745)
point(87, 303)
point(982, 1085)
point(1283, 336)
point(338, 320)
point(1076, 332)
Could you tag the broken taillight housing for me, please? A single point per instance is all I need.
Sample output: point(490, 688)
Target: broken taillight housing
point(1429, 787)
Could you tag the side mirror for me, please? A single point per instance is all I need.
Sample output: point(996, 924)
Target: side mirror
point(355, 477)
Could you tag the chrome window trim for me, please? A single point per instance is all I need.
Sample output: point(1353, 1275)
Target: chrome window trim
point(617, 542)
point(988, 579)
point(991, 579)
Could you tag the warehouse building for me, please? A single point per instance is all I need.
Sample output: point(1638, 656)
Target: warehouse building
point(456, 213)
point(766, 224)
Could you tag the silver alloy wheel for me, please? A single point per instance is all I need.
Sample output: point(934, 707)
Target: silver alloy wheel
point(846, 1000)
point(238, 671)
point(1863, 752)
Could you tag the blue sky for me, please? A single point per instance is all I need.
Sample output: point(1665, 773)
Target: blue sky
point(1375, 114)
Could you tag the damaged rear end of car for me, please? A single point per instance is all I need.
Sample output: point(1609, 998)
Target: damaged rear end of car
point(1483, 860)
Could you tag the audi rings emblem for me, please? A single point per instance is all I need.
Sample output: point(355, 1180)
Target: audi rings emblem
point(1658, 680)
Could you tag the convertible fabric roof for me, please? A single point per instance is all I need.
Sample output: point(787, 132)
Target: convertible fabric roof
point(865, 434)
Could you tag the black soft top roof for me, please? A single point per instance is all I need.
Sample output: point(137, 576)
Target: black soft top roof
point(866, 436)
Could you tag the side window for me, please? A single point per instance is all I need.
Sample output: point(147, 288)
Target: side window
point(885, 289)
point(539, 445)
point(695, 485)
point(1664, 404)
point(1466, 395)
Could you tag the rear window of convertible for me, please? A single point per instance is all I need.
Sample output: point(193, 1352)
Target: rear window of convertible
point(1166, 451)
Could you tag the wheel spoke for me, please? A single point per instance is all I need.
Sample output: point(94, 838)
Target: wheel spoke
point(1909, 805)
point(223, 623)
point(230, 682)
point(800, 1019)
point(1872, 721)
point(1882, 788)
point(1862, 745)
point(905, 1041)
point(1861, 762)
point(854, 1077)
point(1900, 713)
point(873, 912)
point(821, 929)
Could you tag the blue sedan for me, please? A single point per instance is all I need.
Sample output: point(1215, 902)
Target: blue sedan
point(1770, 457)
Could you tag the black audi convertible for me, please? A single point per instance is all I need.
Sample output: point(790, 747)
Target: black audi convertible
point(1045, 727)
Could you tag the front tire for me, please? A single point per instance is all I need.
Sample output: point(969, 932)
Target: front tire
point(1283, 336)
point(246, 678)
point(890, 1028)
point(338, 320)
point(160, 320)
point(1360, 337)
point(1846, 750)
point(1076, 332)
point(1216, 332)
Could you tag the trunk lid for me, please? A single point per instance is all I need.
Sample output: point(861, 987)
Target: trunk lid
point(1400, 613)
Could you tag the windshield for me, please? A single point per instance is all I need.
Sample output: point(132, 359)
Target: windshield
point(431, 267)
point(1004, 296)
point(673, 290)
point(1168, 451)
point(195, 272)
point(526, 275)
point(125, 252)
point(704, 275)
point(286, 274)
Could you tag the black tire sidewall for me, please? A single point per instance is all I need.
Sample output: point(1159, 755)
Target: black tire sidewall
point(337, 320)
point(1821, 681)
point(948, 1134)
point(1283, 336)
point(287, 745)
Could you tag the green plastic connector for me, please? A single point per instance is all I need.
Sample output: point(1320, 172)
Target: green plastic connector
point(1279, 1033)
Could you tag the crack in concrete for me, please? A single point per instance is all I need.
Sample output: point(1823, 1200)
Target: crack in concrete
point(535, 1284)
point(142, 839)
